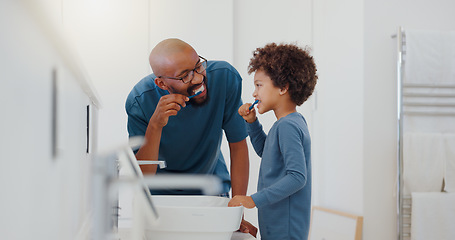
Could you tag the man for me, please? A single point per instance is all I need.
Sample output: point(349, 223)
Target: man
point(185, 132)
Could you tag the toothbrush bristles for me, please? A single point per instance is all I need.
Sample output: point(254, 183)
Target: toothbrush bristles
point(199, 92)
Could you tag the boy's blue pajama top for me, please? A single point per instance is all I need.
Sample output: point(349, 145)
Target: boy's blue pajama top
point(190, 142)
point(283, 198)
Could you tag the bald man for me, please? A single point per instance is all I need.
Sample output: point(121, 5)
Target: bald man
point(182, 110)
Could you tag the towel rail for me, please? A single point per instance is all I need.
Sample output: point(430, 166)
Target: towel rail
point(415, 101)
point(427, 104)
point(400, 62)
point(429, 95)
point(422, 85)
point(428, 113)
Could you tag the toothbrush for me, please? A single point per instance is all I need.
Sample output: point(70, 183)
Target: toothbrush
point(252, 106)
point(192, 96)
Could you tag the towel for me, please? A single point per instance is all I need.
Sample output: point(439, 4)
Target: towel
point(423, 162)
point(449, 170)
point(433, 216)
point(430, 57)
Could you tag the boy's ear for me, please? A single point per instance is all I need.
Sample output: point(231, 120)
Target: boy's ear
point(284, 90)
point(161, 84)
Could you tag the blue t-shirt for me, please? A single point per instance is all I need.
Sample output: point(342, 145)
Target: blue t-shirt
point(190, 142)
point(284, 185)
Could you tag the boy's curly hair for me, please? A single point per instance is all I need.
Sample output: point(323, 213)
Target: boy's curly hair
point(287, 65)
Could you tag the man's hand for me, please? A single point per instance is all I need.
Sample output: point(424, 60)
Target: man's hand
point(169, 105)
point(247, 227)
point(245, 201)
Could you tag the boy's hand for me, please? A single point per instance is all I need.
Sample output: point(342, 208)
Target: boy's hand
point(246, 113)
point(240, 200)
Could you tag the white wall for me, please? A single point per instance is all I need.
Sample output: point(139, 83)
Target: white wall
point(206, 25)
point(338, 124)
point(111, 37)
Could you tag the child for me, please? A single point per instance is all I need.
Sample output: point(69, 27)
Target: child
point(285, 76)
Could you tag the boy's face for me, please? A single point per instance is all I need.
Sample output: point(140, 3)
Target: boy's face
point(264, 91)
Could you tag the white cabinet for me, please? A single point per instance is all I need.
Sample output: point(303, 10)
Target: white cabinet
point(45, 168)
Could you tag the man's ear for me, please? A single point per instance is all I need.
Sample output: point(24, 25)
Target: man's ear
point(161, 84)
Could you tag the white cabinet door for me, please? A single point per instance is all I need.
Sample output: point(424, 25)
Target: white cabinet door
point(45, 172)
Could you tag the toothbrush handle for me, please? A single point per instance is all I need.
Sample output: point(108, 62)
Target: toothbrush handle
point(252, 105)
point(192, 96)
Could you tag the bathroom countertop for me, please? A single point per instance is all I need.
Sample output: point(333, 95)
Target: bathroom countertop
point(125, 234)
point(242, 236)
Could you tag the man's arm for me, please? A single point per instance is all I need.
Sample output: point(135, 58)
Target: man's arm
point(240, 167)
point(240, 170)
point(150, 149)
point(169, 105)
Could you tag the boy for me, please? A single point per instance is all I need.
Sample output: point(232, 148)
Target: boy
point(285, 76)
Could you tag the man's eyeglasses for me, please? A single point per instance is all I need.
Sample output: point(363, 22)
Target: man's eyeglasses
point(188, 77)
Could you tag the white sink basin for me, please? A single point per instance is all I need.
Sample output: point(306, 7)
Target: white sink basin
point(194, 217)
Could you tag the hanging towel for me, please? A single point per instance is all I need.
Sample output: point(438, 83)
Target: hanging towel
point(433, 216)
point(449, 170)
point(430, 57)
point(423, 162)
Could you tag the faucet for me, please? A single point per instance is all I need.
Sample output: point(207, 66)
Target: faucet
point(107, 182)
point(162, 164)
